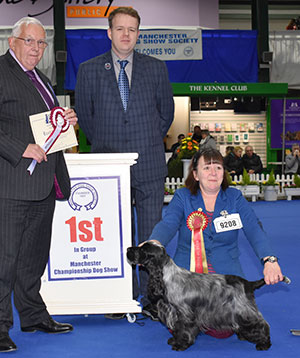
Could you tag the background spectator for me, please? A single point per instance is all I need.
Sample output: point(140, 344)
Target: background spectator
point(207, 140)
point(233, 162)
point(292, 161)
point(229, 149)
point(251, 161)
point(176, 145)
point(197, 134)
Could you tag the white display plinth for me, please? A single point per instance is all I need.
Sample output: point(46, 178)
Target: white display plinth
point(87, 272)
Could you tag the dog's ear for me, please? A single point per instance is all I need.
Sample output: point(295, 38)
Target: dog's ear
point(156, 287)
point(156, 255)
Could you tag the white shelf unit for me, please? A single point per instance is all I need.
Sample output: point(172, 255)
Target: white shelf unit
point(258, 139)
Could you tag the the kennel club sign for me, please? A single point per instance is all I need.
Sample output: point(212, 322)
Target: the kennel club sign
point(89, 231)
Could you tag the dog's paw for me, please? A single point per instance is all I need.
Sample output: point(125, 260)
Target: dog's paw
point(171, 341)
point(241, 337)
point(176, 347)
point(179, 348)
point(263, 346)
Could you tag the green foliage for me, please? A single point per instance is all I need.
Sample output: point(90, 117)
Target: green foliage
point(169, 191)
point(297, 181)
point(229, 179)
point(246, 178)
point(175, 168)
point(271, 181)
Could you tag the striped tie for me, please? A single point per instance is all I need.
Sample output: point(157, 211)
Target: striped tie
point(123, 84)
point(41, 89)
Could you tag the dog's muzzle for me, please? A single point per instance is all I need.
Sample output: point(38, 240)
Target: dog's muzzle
point(133, 255)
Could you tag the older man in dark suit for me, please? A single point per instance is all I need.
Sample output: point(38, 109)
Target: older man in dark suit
point(26, 201)
point(129, 112)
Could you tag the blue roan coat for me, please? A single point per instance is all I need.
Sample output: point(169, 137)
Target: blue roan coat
point(221, 248)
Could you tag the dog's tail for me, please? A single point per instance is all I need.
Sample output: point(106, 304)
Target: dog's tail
point(258, 284)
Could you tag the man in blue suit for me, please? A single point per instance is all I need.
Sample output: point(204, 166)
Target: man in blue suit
point(139, 123)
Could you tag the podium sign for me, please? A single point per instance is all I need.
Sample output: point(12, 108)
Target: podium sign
point(87, 270)
point(90, 228)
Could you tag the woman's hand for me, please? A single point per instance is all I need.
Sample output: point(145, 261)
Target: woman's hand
point(272, 273)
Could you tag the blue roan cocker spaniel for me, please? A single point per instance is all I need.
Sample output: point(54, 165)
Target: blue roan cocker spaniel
point(189, 303)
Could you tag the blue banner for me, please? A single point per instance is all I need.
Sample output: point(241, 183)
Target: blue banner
point(228, 56)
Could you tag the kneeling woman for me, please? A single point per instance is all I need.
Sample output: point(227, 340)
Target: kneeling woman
point(208, 216)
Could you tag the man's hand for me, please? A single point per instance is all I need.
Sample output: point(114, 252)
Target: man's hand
point(34, 151)
point(71, 116)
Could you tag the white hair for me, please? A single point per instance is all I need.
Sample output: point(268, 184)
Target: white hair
point(17, 28)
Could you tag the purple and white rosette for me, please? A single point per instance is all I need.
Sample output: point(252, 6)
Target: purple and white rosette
point(60, 125)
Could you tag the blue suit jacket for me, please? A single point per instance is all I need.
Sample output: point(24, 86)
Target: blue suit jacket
point(147, 119)
point(221, 248)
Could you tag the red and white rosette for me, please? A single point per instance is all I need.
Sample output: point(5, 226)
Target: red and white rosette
point(60, 125)
point(197, 222)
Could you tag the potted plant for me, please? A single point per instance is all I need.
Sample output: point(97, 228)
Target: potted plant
point(270, 188)
point(248, 186)
point(293, 189)
point(185, 152)
point(168, 194)
point(229, 179)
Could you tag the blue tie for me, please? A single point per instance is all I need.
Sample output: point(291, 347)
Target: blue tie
point(123, 84)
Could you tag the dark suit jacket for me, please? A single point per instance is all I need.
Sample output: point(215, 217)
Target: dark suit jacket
point(232, 162)
point(253, 162)
point(147, 119)
point(18, 100)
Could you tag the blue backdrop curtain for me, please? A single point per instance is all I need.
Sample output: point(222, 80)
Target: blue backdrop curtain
point(228, 56)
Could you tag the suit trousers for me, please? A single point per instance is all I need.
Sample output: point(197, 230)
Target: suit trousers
point(148, 199)
point(25, 235)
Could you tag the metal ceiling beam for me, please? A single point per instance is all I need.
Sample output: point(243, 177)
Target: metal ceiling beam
point(260, 22)
point(59, 44)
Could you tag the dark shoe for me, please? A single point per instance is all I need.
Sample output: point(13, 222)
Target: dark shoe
point(6, 344)
point(150, 311)
point(49, 326)
point(115, 316)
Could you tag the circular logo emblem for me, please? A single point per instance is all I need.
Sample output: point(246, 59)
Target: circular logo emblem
point(107, 66)
point(83, 195)
point(188, 51)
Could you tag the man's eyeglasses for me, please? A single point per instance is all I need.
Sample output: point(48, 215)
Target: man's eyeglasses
point(31, 42)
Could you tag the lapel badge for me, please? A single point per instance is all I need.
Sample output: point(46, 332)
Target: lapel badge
point(107, 66)
point(224, 213)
